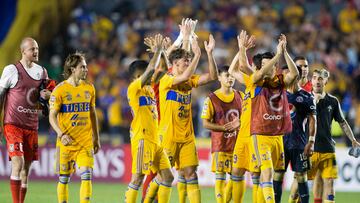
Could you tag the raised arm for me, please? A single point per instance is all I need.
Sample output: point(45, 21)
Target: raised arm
point(245, 42)
point(213, 71)
point(268, 67)
point(185, 29)
point(154, 62)
point(293, 71)
point(190, 70)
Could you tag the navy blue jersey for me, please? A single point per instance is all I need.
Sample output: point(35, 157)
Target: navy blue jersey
point(301, 105)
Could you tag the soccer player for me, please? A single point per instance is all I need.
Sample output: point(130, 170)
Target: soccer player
point(221, 114)
point(323, 160)
point(19, 90)
point(297, 146)
point(303, 65)
point(147, 153)
point(73, 117)
point(241, 156)
point(269, 115)
point(176, 127)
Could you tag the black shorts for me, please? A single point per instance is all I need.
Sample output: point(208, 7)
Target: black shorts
point(299, 162)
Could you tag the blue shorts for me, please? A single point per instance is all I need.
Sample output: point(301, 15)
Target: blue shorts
point(299, 162)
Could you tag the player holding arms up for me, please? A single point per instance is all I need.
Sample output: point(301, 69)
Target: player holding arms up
point(145, 144)
point(221, 114)
point(73, 117)
point(176, 128)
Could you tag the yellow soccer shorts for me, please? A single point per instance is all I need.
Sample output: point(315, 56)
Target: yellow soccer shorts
point(242, 153)
point(268, 153)
point(148, 156)
point(66, 159)
point(325, 163)
point(221, 162)
point(181, 154)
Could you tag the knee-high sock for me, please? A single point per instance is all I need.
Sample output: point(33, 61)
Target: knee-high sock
point(304, 192)
point(15, 184)
point(278, 190)
point(256, 186)
point(268, 192)
point(228, 191)
point(23, 191)
point(164, 193)
point(131, 193)
point(63, 188)
point(86, 187)
point(238, 188)
point(147, 183)
point(152, 191)
point(181, 186)
point(193, 190)
point(220, 179)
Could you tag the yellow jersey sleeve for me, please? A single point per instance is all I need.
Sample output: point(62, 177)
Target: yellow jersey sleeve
point(208, 109)
point(194, 80)
point(55, 100)
point(93, 96)
point(166, 82)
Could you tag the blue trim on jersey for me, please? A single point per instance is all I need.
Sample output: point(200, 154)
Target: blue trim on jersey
point(257, 91)
point(75, 107)
point(145, 101)
point(181, 98)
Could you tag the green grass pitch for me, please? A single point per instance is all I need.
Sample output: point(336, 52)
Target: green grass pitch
point(45, 192)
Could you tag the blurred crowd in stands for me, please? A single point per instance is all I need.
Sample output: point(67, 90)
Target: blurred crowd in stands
point(111, 34)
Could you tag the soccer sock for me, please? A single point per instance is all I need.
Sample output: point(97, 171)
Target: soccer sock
point(220, 179)
point(23, 191)
point(256, 182)
point(317, 200)
point(164, 193)
point(260, 195)
point(152, 191)
point(63, 188)
point(268, 192)
point(181, 186)
point(238, 188)
point(15, 184)
point(85, 187)
point(304, 192)
point(131, 193)
point(228, 191)
point(292, 200)
point(193, 190)
point(278, 190)
point(147, 183)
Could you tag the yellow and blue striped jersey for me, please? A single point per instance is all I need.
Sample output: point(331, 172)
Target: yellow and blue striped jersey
point(74, 104)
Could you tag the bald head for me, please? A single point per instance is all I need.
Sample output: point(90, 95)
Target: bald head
point(29, 49)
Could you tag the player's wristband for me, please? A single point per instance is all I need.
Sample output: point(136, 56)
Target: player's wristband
point(311, 138)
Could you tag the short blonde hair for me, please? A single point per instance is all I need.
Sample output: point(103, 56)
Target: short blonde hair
point(322, 72)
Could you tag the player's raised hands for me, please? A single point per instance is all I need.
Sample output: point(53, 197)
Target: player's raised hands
point(158, 42)
point(149, 41)
point(195, 47)
point(209, 46)
point(280, 46)
point(283, 39)
point(185, 27)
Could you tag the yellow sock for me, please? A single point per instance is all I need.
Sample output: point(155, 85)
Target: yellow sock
point(238, 188)
point(193, 190)
point(256, 182)
point(85, 191)
point(181, 186)
point(260, 195)
point(164, 193)
point(329, 201)
point(292, 200)
point(268, 192)
point(152, 191)
point(131, 193)
point(219, 187)
point(63, 192)
point(228, 191)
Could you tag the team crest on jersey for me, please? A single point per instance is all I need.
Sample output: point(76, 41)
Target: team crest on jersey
point(68, 96)
point(329, 108)
point(87, 95)
point(52, 98)
point(299, 99)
